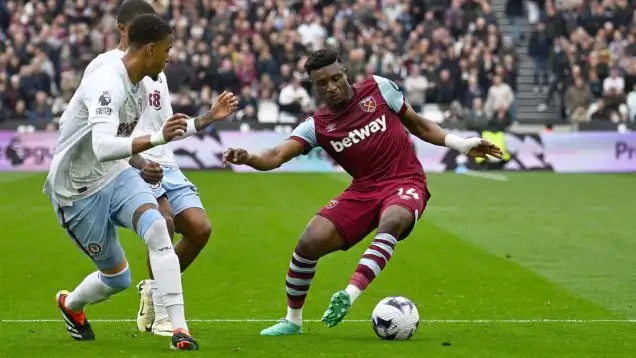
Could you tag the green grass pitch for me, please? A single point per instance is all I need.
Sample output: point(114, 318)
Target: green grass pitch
point(541, 265)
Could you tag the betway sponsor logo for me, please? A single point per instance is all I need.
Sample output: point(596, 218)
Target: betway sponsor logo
point(378, 125)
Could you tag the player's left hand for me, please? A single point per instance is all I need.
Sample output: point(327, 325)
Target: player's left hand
point(481, 148)
point(225, 104)
point(152, 173)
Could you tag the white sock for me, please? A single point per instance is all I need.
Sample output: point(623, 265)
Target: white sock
point(174, 305)
point(157, 302)
point(91, 290)
point(295, 315)
point(353, 292)
point(165, 267)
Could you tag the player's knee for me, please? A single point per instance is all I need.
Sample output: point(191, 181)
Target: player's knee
point(200, 234)
point(147, 219)
point(308, 247)
point(169, 224)
point(195, 227)
point(319, 238)
point(396, 220)
point(311, 244)
point(143, 209)
point(119, 281)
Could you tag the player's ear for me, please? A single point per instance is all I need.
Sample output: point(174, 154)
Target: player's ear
point(150, 49)
point(123, 29)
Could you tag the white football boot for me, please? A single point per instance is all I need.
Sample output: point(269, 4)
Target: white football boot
point(146, 313)
point(162, 325)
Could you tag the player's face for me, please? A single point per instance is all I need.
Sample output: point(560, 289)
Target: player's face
point(331, 84)
point(158, 56)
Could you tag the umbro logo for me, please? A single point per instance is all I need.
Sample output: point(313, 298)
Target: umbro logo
point(331, 127)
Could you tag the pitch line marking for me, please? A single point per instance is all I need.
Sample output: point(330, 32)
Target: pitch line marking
point(431, 321)
point(485, 175)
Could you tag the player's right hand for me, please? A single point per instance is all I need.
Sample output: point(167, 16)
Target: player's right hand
point(175, 127)
point(152, 173)
point(235, 156)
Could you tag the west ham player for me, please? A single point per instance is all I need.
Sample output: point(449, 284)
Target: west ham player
point(178, 198)
point(362, 129)
point(93, 188)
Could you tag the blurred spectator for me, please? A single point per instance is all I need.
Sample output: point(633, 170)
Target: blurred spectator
point(614, 83)
point(247, 98)
point(578, 99)
point(446, 89)
point(614, 103)
point(19, 111)
point(477, 118)
point(41, 109)
point(631, 104)
point(4, 108)
point(294, 99)
point(500, 99)
point(535, 8)
point(515, 12)
point(185, 104)
point(415, 87)
point(473, 92)
point(539, 49)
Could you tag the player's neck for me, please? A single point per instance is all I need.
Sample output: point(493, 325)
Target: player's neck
point(135, 68)
point(123, 46)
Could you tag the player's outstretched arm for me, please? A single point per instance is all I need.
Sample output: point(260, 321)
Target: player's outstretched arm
point(107, 145)
point(267, 160)
point(430, 132)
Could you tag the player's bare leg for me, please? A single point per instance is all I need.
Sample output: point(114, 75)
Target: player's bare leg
point(96, 287)
point(395, 220)
point(195, 227)
point(319, 239)
point(146, 314)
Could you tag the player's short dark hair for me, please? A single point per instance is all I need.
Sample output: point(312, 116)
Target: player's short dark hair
point(321, 58)
point(147, 29)
point(130, 9)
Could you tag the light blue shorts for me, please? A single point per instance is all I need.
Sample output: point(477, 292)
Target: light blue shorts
point(91, 222)
point(179, 191)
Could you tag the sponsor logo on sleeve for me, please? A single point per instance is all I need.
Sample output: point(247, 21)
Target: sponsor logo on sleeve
point(105, 99)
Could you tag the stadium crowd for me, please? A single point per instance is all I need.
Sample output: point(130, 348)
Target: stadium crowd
point(592, 50)
point(438, 51)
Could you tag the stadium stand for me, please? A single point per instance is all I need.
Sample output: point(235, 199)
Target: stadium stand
point(466, 63)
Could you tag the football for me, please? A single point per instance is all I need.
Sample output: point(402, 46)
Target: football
point(395, 318)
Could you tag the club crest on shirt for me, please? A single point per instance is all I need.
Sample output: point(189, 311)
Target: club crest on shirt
point(332, 204)
point(368, 104)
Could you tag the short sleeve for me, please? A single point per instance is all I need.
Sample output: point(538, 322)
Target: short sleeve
point(92, 66)
point(166, 105)
point(391, 94)
point(305, 133)
point(103, 99)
